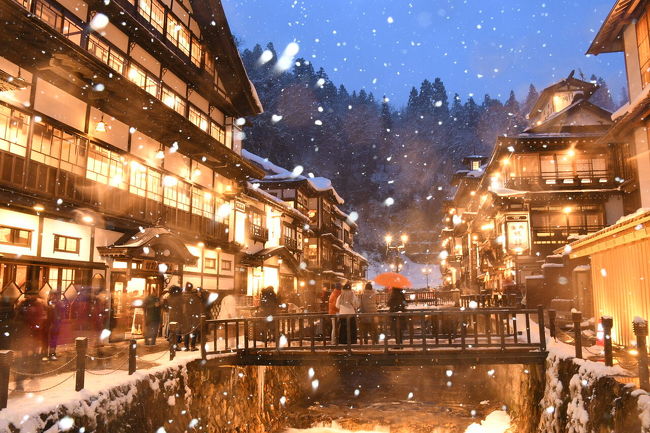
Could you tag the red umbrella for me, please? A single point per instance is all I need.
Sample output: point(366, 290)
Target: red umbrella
point(392, 279)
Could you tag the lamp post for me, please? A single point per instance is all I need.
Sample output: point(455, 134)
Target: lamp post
point(397, 249)
point(427, 271)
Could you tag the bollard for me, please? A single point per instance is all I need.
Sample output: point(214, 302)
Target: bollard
point(132, 355)
point(6, 357)
point(542, 328)
point(640, 327)
point(552, 314)
point(81, 345)
point(608, 323)
point(173, 339)
point(203, 341)
point(576, 317)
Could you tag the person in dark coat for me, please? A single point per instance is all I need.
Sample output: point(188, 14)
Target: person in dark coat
point(55, 317)
point(193, 308)
point(6, 322)
point(152, 318)
point(173, 304)
point(269, 307)
point(397, 304)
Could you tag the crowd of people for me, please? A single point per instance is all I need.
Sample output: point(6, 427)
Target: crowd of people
point(342, 301)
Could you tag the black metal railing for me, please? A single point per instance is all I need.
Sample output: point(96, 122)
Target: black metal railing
point(462, 330)
point(594, 179)
point(258, 233)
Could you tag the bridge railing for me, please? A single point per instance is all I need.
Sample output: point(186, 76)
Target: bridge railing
point(490, 301)
point(500, 329)
point(428, 297)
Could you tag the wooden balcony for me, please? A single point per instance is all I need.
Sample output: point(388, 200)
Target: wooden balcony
point(258, 233)
point(596, 179)
point(560, 235)
point(290, 243)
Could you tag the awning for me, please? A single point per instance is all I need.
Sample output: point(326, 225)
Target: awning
point(153, 243)
point(258, 258)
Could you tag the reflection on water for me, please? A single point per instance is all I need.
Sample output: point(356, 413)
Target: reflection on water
point(496, 422)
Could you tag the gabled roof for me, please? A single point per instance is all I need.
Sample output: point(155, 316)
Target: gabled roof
point(560, 121)
point(156, 243)
point(216, 32)
point(566, 84)
point(277, 174)
point(609, 38)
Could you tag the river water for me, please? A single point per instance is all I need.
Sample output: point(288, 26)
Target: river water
point(403, 400)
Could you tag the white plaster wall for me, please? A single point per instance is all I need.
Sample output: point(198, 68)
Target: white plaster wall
point(632, 61)
point(77, 7)
point(117, 133)
point(22, 221)
point(104, 238)
point(62, 106)
point(52, 227)
point(643, 164)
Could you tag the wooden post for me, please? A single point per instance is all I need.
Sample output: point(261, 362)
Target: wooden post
point(173, 339)
point(81, 344)
point(6, 357)
point(640, 327)
point(204, 337)
point(608, 323)
point(576, 318)
point(132, 355)
point(542, 328)
point(552, 314)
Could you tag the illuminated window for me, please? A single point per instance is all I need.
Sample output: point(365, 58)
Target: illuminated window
point(15, 236)
point(153, 12)
point(177, 194)
point(226, 265)
point(105, 166)
point(66, 244)
point(178, 34)
point(46, 144)
point(73, 154)
point(202, 203)
point(643, 42)
point(197, 52)
point(154, 185)
point(24, 3)
point(173, 100)
point(106, 54)
point(218, 132)
point(49, 15)
point(210, 263)
point(145, 182)
point(144, 80)
point(198, 118)
point(14, 127)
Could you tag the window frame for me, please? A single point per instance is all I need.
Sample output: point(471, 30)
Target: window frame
point(58, 237)
point(14, 235)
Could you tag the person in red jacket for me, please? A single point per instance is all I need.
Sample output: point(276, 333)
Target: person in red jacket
point(333, 309)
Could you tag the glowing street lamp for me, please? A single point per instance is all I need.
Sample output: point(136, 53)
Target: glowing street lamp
point(427, 271)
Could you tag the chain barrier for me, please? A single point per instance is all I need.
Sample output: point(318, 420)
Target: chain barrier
point(164, 353)
point(45, 373)
point(119, 367)
point(103, 358)
point(45, 389)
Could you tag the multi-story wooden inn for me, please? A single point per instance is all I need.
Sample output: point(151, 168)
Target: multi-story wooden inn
point(327, 237)
point(120, 160)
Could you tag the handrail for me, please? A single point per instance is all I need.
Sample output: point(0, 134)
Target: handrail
point(425, 330)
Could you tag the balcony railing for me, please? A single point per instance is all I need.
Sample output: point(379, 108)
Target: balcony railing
point(290, 243)
point(566, 180)
point(258, 233)
point(560, 235)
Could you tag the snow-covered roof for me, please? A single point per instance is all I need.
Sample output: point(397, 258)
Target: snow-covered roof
point(290, 209)
point(275, 173)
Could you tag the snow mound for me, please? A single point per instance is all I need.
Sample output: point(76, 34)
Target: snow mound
point(496, 422)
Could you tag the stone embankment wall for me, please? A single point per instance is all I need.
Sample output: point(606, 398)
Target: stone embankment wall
point(570, 396)
point(194, 397)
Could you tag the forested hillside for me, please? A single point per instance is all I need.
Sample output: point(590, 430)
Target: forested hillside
point(391, 164)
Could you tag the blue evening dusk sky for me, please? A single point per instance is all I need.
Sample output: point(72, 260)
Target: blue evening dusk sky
point(475, 46)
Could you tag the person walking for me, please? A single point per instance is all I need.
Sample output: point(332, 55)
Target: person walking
point(193, 308)
point(368, 305)
point(397, 304)
point(152, 318)
point(332, 309)
point(174, 307)
point(269, 308)
point(7, 313)
point(31, 317)
point(347, 305)
point(55, 317)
